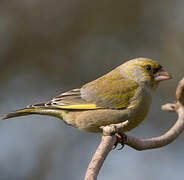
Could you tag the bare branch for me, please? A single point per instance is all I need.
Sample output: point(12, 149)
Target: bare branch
point(141, 144)
point(180, 92)
point(167, 138)
point(99, 157)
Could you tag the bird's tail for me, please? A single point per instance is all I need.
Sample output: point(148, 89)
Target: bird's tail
point(32, 110)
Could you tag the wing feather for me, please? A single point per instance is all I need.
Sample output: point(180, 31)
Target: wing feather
point(110, 91)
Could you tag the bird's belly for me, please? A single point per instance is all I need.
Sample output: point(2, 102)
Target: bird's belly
point(136, 119)
point(92, 120)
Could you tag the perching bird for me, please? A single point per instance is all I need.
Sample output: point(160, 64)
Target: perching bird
point(124, 94)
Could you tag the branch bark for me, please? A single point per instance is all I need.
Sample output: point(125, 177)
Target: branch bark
point(108, 142)
point(99, 157)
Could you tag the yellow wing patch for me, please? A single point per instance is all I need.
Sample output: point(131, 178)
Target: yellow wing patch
point(80, 106)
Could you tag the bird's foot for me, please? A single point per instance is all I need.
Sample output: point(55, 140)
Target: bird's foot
point(111, 130)
point(121, 139)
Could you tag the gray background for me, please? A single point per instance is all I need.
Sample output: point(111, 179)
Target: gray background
point(48, 47)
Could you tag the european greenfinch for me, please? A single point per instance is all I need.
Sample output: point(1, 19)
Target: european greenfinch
point(124, 94)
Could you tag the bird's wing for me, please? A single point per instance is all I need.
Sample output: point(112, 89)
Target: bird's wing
point(69, 100)
point(109, 91)
point(72, 100)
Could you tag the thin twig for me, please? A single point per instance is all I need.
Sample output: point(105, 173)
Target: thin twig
point(99, 157)
point(157, 142)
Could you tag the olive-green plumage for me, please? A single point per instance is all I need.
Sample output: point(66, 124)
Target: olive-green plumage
point(124, 94)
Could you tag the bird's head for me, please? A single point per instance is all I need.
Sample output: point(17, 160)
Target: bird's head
point(145, 71)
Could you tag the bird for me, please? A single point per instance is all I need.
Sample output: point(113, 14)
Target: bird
point(121, 95)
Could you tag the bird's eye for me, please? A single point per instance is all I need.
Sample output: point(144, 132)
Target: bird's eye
point(148, 67)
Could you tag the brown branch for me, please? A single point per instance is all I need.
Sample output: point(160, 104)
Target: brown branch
point(107, 142)
point(99, 157)
point(165, 139)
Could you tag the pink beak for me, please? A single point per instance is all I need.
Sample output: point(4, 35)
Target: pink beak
point(162, 75)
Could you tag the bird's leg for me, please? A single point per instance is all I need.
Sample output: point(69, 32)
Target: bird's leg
point(121, 138)
point(117, 130)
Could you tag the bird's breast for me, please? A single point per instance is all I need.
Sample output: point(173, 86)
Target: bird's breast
point(140, 108)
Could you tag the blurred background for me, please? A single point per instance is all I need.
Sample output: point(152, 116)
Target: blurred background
point(48, 47)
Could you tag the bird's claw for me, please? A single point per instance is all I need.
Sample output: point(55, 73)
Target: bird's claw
point(111, 130)
point(121, 138)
